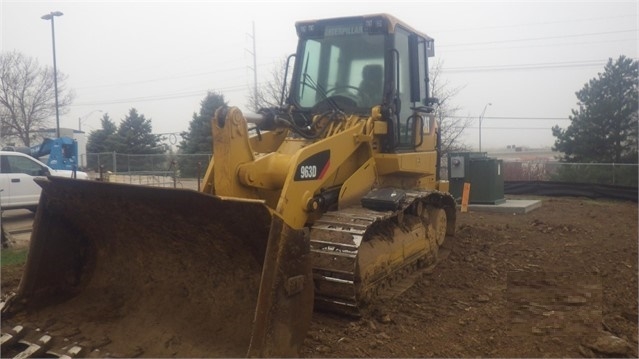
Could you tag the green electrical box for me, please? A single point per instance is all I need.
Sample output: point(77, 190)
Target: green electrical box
point(484, 174)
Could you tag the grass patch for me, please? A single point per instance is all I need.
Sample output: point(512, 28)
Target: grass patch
point(10, 256)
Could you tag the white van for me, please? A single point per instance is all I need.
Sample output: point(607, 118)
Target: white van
point(17, 170)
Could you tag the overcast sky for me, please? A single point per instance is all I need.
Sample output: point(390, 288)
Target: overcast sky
point(526, 58)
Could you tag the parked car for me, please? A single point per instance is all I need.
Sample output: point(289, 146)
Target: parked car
point(17, 188)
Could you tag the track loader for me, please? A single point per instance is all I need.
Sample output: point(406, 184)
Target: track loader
point(322, 203)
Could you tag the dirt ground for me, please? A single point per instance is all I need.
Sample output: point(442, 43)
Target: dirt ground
point(560, 281)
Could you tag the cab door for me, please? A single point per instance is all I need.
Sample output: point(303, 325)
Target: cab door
point(16, 181)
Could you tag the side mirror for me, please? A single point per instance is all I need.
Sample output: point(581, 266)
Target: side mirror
point(45, 172)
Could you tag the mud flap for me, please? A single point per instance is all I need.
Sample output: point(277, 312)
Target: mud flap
point(187, 267)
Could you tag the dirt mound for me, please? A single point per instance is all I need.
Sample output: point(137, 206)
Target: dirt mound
point(560, 281)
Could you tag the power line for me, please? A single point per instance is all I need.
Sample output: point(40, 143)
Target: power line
point(572, 43)
point(505, 128)
point(518, 67)
point(515, 118)
point(541, 38)
point(449, 70)
point(195, 93)
point(547, 65)
point(224, 70)
point(164, 78)
point(445, 70)
point(563, 22)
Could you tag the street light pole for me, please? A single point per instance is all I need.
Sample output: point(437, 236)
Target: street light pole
point(51, 16)
point(481, 117)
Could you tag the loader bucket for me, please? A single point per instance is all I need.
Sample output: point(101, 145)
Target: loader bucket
point(161, 272)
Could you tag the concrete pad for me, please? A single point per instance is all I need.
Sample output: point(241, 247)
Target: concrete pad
point(518, 206)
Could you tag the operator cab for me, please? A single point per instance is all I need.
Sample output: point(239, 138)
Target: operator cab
point(353, 64)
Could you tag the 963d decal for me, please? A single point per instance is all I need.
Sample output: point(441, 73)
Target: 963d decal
point(314, 167)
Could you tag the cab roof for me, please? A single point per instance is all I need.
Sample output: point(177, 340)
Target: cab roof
point(391, 21)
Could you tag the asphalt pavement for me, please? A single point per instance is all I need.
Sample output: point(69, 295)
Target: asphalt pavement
point(18, 224)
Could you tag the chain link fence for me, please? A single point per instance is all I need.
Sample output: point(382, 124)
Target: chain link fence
point(163, 170)
point(617, 174)
point(186, 170)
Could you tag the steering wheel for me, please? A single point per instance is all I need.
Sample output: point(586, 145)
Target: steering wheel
point(343, 88)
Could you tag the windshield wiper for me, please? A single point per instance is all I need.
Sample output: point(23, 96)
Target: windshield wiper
point(331, 102)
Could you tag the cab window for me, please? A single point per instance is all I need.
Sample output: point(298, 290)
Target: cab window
point(347, 66)
point(18, 164)
point(404, 112)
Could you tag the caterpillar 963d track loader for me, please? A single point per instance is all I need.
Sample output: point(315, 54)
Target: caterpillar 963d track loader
point(323, 202)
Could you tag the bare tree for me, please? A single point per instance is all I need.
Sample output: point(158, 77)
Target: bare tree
point(269, 94)
point(451, 126)
point(27, 96)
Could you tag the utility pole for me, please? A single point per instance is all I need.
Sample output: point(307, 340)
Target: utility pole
point(254, 54)
point(254, 64)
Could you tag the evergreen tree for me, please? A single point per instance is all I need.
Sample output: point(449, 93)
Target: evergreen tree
point(132, 137)
point(199, 137)
point(604, 127)
point(135, 135)
point(103, 140)
point(198, 140)
point(101, 144)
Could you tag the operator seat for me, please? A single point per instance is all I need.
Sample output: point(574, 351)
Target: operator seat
point(370, 89)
